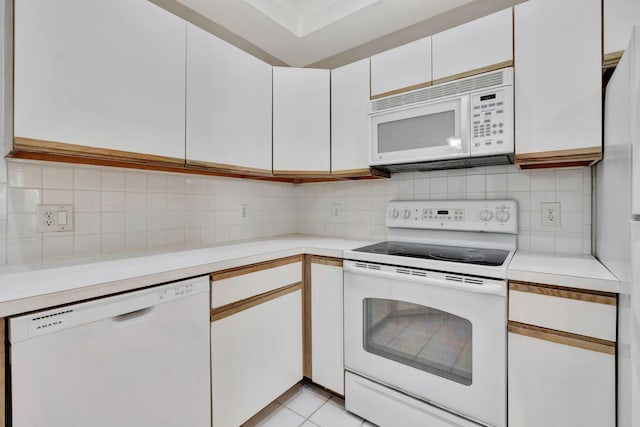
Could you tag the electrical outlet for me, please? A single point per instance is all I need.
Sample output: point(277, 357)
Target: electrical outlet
point(550, 212)
point(336, 210)
point(54, 218)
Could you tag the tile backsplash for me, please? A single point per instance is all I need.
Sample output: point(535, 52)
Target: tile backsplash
point(360, 206)
point(124, 210)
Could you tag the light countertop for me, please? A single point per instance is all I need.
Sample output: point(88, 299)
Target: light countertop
point(573, 271)
point(26, 288)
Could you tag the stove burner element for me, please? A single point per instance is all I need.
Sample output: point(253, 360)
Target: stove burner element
point(459, 256)
point(388, 250)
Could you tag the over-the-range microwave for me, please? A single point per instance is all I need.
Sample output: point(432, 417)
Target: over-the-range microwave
point(462, 123)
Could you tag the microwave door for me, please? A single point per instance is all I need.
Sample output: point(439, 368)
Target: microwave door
point(426, 132)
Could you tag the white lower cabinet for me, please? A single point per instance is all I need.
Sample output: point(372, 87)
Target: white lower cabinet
point(561, 357)
point(327, 361)
point(552, 384)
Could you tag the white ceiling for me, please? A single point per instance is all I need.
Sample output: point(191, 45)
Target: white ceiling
point(302, 32)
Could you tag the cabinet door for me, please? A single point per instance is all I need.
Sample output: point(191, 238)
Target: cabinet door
point(475, 47)
point(350, 118)
point(228, 105)
point(102, 74)
point(301, 136)
point(619, 17)
point(404, 68)
point(557, 385)
point(256, 355)
point(327, 362)
point(558, 82)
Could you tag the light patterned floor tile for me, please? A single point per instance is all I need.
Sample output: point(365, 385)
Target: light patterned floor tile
point(333, 414)
point(304, 400)
point(281, 417)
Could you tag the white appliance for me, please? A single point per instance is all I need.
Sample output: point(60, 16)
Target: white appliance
point(618, 219)
point(136, 359)
point(467, 122)
point(425, 315)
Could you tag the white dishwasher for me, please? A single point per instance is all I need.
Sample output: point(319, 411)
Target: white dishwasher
point(135, 359)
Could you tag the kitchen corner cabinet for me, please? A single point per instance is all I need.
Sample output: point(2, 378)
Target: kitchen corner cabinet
point(256, 337)
point(478, 46)
point(228, 118)
point(618, 18)
point(98, 78)
point(558, 83)
point(561, 357)
point(401, 69)
point(301, 122)
point(327, 362)
point(350, 119)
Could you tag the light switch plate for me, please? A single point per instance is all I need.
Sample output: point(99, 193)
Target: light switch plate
point(54, 218)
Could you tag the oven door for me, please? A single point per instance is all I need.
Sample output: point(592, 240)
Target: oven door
point(434, 338)
point(424, 132)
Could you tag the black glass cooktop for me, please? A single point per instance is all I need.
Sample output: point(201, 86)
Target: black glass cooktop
point(479, 256)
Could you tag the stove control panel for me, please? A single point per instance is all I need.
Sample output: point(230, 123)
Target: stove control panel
point(496, 216)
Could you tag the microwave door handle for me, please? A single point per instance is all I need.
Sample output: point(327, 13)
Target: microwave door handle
point(486, 288)
point(465, 128)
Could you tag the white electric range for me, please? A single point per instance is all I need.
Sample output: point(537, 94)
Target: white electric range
point(425, 315)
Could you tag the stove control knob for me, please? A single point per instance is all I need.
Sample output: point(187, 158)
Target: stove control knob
point(406, 213)
point(503, 215)
point(486, 215)
point(393, 213)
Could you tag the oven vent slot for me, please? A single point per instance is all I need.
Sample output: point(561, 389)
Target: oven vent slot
point(454, 278)
point(403, 271)
point(373, 267)
point(474, 281)
point(361, 265)
point(418, 273)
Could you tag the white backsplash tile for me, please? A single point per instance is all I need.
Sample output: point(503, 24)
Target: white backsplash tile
point(57, 197)
point(57, 177)
point(22, 174)
point(113, 180)
point(57, 247)
point(86, 179)
point(23, 200)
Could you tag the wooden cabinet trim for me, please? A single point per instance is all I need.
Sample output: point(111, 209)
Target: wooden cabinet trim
point(571, 157)
point(247, 303)
point(560, 337)
point(252, 268)
point(307, 327)
point(401, 90)
point(227, 168)
point(599, 297)
point(302, 174)
point(470, 73)
point(324, 260)
point(360, 173)
point(52, 147)
point(611, 59)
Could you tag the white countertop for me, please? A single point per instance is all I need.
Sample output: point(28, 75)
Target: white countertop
point(573, 271)
point(26, 288)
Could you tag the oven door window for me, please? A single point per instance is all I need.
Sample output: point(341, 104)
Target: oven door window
point(422, 337)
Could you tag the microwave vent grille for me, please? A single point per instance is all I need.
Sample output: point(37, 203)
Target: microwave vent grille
point(440, 91)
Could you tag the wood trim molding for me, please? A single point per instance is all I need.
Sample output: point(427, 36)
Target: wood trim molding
point(317, 259)
point(252, 268)
point(572, 157)
point(302, 174)
point(566, 338)
point(247, 303)
point(61, 148)
point(401, 90)
point(307, 327)
point(607, 298)
point(360, 173)
point(611, 59)
point(470, 73)
point(228, 168)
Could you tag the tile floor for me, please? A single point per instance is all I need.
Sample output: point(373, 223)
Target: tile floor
point(306, 405)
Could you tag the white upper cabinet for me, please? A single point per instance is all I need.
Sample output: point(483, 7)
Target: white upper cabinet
point(105, 74)
point(474, 47)
point(228, 105)
point(558, 82)
point(301, 124)
point(403, 68)
point(350, 119)
point(619, 17)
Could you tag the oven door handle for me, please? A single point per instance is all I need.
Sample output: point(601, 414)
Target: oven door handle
point(492, 287)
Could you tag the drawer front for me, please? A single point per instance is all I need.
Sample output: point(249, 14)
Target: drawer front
point(568, 310)
point(238, 284)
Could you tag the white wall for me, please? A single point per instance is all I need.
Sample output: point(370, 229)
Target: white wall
point(124, 210)
point(363, 203)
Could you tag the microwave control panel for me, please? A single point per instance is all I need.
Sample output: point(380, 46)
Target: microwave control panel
point(492, 122)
